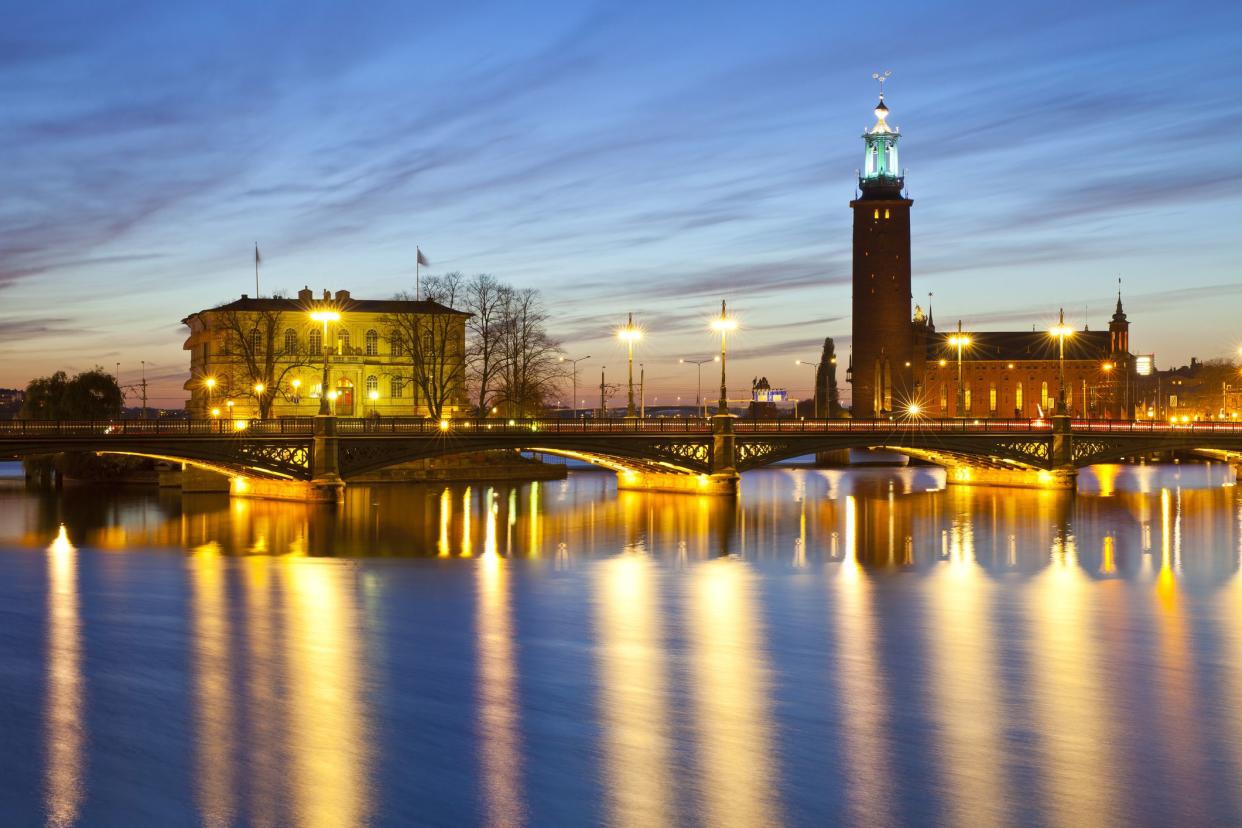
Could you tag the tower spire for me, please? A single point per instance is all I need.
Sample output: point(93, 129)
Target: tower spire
point(880, 168)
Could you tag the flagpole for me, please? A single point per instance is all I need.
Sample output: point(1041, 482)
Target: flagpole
point(416, 258)
point(256, 270)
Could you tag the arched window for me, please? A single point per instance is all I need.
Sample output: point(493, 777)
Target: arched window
point(398, 349)
point(1043, 396)
point(256, 340)
point(398, 388)
point(291, 341)
point(372, 385)
point(372, 344)
point(316, 342)
point(342, 339)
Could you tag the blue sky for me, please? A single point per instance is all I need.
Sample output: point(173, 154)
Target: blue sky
point(644, 157)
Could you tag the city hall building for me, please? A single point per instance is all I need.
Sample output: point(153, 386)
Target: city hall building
point(258, 357)
point(901, 364)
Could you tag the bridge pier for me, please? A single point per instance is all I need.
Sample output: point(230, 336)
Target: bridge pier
point(326, 485)
point(1064, 479)
point(678, 482)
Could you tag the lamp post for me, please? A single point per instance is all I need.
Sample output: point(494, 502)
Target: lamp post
point(699, 405)
point(296, 384)
point(960, 341)
point(325, 316)
point(210, 384)
point(574, 363)
point(814, 385)
point(629, 335)
point(1061, 332)
point(723, 323)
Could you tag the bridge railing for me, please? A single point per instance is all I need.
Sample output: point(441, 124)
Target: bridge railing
point(149, 428)
point(1157, 426)
point(886, 426)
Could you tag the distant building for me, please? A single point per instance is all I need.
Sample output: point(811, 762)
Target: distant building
point(900, 363)
point(11, 400)
point(387, 357)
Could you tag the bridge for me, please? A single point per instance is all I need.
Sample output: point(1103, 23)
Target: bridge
point(314, 457)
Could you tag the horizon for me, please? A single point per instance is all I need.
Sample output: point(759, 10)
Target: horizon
point(618, 161)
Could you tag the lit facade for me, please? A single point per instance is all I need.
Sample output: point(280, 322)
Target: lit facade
point(384, 356)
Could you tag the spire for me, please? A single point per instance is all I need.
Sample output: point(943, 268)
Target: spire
point(1119, 315)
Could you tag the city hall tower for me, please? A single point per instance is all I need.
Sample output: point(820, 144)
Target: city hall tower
point(882, 365)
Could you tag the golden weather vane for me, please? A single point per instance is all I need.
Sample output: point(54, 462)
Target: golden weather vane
point(881, 77)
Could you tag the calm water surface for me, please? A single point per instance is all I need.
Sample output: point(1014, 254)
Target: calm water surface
point(837, 647)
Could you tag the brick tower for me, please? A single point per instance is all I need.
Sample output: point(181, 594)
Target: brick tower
point(883, 334)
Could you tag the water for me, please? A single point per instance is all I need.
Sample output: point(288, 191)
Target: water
point(872, 650)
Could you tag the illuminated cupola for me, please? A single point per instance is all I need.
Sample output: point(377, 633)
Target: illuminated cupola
point(880, 169)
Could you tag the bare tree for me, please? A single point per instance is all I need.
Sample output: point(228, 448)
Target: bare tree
point(485, 299)
point(529, 367)
point(432, 344)
point(256, 356)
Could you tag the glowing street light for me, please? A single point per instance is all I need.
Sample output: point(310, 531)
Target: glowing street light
point(1061, 332)
point(325, 315)
point(210, 384)
point(574, 370)
point(629, 335)
point(723, 324)
point(960, 341)
point(699, 406)
point(814, 384)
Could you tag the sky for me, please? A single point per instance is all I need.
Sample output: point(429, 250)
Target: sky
point(644, 157)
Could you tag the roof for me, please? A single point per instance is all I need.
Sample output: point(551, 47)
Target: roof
point(1020, 346)
point(247, 303)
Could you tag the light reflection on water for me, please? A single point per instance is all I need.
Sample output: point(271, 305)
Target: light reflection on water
point(961, 656)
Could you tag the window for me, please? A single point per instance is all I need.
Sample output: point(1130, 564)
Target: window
point(398, 349)
point(316, 342)
point(372, 344)
point(966, 399)
point(876, 215)
point(397, 388)
point(256, 341)
point(992, 398)
point(944, 397)
point(1043, 396)
point(291, 341)
point(342, 339)
point(886, 213)
point(372, 385)
point(1017, 399)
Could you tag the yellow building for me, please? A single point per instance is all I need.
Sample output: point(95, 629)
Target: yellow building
point(386, 357)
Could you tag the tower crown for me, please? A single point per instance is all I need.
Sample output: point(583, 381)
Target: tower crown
point(881, 173)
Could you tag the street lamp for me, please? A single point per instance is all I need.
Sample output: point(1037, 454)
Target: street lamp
point(210, 383)
point(297, 394)
point(325, 316)
point(259, 388)
point(1061, 332)
point(960, 341)
point(723, 323)
point(629, 335)
point(574, 363)
point(814, 384)
point(699, 406)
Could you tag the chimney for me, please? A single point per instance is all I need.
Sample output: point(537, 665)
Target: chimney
point(327, 295)
point(342, 296)
point(244, 296)
point(305, 294)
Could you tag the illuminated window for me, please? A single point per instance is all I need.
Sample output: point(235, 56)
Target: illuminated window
point(1043, 396)
point(992, 398)
point(397, 388)
point(372, 344)
point(316, 342)
point(398, 349)
point(886, 214)
point(342, 339)
point(372, 384)
point(256, 341)
point(966, 399)
point(1017, 399)
point(876, 215)
point(291, 341)
point(944, 397)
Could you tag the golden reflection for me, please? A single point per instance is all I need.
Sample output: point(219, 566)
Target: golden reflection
point(500, 748)
point(63, 715)
point(633, 692)
point(731, 698)
point(1072, 693)
point(965, 686)
point(536, 538)
point(1166, 582)
point(446, 514)
point(213, 691)
point(466, 548)
point(860, 690)
point(266, 777)
point(328, 734)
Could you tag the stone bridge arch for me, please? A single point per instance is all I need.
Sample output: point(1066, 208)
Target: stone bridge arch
point(264, 458)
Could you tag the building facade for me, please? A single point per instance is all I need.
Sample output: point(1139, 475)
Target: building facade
point(265, 357)
point(900, 364)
